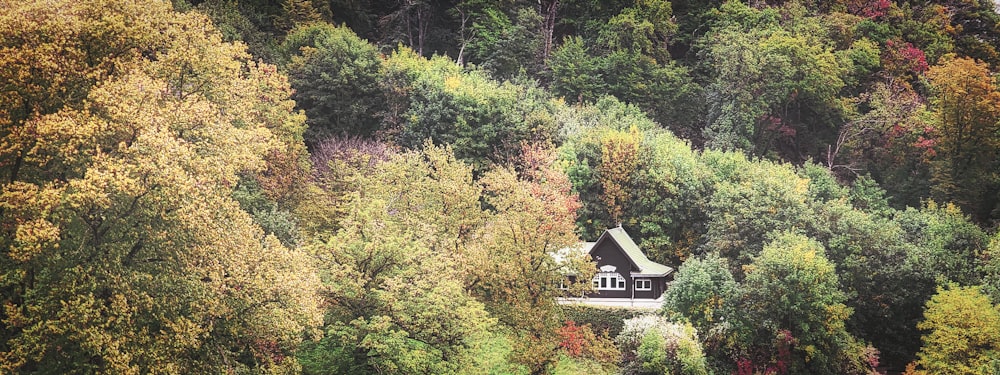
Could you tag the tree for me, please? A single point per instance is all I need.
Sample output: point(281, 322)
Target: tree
point(297, 12)
point(991, 270)
point(508, 42)
point(947, 242)
point(630, 61)
point(645, 27)
point(619, 159)
point(394, 279)
point(483, 120)
point(249, 23)
point(652, 345)
point(575, 73)
point(419, 273)
point(511, 267)
point(703, 292)
point(791, 299)
point(580, 343)
point(750, 200)
point(967, 104)
point(893, 141)
point(773, 83)
point(883, 275)
point(336, 79)
point(124, 249)
point(963, 333)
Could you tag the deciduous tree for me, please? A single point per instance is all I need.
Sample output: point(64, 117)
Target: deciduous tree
point(963, 333)
point(124, 251)
point(967, 104)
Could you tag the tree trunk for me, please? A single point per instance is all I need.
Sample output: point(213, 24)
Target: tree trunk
point(548, 10)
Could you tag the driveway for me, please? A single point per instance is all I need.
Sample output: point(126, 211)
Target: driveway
point(644, 304)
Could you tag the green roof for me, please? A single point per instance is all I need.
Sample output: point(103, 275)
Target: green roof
point(646, 266)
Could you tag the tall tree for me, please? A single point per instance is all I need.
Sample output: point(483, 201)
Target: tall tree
point(394, 273)
point(794, 308)
point(967, 104)
point(336, 79)
point(619, 159)
point(703, 292)
point(124, 249)
point(513, 271)
point(774, 82)
point(749, 202)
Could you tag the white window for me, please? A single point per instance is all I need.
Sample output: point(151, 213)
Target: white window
point(643, 284)
point(609, 281)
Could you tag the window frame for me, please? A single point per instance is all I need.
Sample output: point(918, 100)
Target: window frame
point(647, 281)
point(605, 280)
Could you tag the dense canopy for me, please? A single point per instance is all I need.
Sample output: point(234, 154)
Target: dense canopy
point(331, 186)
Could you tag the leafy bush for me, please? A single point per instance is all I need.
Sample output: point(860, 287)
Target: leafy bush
point(579, 341)
point(653, 345)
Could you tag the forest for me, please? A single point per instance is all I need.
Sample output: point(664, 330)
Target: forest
point(376, 187)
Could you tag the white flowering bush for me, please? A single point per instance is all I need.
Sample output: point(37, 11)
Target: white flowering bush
point(651, 344)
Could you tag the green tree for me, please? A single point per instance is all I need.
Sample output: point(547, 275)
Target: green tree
point(644, 27)
point(991, 270)
point(948, 245)
point(394, 285)
point(893, 141)
point(703, 292)
point(882, 274)
point(653, 345)
point(511, 268)
point(576, 74)
point(963, 333)
point(419, 274)
point(791, 292)
point(749, 201)
point(245, 22)
point(483, 120)
point(619, 159)
point(630, 61)
point(509, 42)
point(336, 79)
point(297, 12)
point(773, 84)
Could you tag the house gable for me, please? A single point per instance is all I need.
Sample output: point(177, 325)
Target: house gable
point(624, 271)
point(640, 265)
point(607, 251)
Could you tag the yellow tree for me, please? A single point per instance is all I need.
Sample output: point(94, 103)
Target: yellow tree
point(122, 249)
point(963, 334)
point(967, 104)
point(619, 160)
point(512, 270)
point(420, 277)
point(394, 281)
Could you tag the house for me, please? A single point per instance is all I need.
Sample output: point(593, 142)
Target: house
point(624, 272)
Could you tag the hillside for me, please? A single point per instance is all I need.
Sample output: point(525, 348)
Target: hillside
point(322, 187)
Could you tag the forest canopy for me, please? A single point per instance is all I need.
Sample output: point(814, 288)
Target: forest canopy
point(328, 186)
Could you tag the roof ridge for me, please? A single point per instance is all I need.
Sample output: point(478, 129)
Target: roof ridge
point(635, 254)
